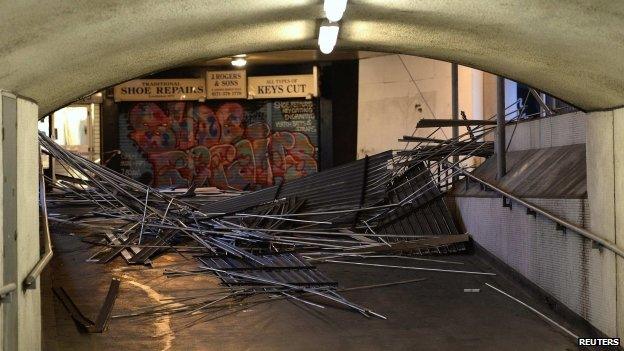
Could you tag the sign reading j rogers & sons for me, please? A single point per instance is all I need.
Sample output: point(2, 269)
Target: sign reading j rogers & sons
point(227, 84)
point(161, 90)
point(303, 85)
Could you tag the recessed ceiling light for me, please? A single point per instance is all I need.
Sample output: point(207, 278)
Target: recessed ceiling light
point(334, 9)
point(328, 36)
point(239, 60)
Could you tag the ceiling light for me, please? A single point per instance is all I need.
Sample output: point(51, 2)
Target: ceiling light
point(334, 9)
point(328, 35)
point(239, 61)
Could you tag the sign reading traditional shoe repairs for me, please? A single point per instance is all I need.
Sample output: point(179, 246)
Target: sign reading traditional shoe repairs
point(161, 90)
point(270, 87)
point(227, 84)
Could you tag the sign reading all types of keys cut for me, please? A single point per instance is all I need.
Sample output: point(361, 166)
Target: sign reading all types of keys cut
point(292, 86)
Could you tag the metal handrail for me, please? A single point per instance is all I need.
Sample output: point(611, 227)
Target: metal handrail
point(7, 289)
point(31, 278)
point(569, 225)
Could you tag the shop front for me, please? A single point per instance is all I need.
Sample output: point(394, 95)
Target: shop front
point(227, 131)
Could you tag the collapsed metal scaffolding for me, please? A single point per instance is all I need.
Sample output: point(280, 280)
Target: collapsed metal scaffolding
point(265, 242)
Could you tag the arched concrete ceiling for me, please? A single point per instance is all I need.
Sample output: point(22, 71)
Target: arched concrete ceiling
point(55, 51)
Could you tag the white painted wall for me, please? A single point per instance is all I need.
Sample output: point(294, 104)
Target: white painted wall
point(28, 252)
point(390, 103)
point(605, 190)
point(21, 312)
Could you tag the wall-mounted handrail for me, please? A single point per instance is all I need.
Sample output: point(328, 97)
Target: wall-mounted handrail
point(569, 225)
point(31, 278)
point(7, 289)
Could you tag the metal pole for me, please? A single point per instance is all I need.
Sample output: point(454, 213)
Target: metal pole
point(455, 107)
point(454, 98)
point(551, 102)
point(410, 267)
point(543, 316)
point(51, 134)
point(500, 126)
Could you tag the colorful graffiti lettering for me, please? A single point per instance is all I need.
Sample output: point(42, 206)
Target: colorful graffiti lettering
point(193, 143)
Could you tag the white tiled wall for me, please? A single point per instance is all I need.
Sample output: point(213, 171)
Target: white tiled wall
point(564, 265)
point(566, 129)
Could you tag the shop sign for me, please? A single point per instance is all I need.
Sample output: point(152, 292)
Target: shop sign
point(227, 84)
point(161, 90)
point(293, 86)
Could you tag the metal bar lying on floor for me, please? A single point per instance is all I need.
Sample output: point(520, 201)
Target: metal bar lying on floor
point(105, 312)
point(540, 314)
point(382, 285)
point(412, 245)
point(85, 324)
point(410, 268)
point(328, 296)
point(82, 322)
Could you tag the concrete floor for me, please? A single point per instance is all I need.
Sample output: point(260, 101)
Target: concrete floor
point(434, 314)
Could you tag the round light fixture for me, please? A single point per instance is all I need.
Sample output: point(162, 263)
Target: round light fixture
point(328, 36)
point(334, 9)
point(239, 60)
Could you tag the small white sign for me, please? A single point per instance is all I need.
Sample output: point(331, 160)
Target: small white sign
point(227, 84)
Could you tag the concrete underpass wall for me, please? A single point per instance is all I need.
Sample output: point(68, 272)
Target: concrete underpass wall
point(564, 265)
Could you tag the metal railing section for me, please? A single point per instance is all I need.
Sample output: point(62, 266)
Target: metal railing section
point(560, 221)
point(6, 290)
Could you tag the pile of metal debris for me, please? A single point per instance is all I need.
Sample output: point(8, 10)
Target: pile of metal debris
point(265, 243)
